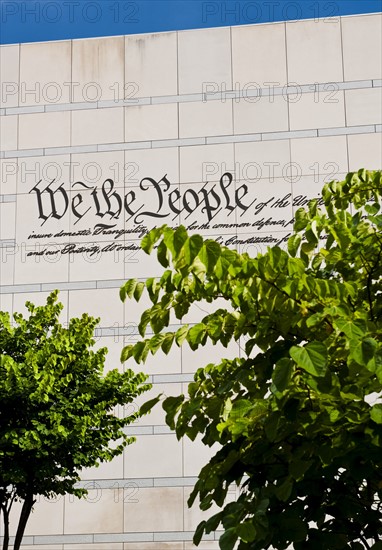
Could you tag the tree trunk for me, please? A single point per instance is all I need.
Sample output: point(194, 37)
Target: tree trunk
point(6, 528)
point(24, 516)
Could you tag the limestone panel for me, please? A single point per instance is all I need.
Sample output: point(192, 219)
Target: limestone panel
point(8, 176)
point(154, 456)
point(261, 160)
point(314, 51)
point(153, 163)
point(309, 111)
point(38, 521)
point(151, 64)
point(193, 516)
point(202, 356)
point(154, 364)
point(365, 151)
point(6, 300)
point(362, 47)
point(196, 455)
point(94, 75)
point(363, 106)
point(52, 169)
point(7, 220)
point(89, 262)
point(202, 163)
point(259, 55)
point(7, 267)
point(209, 118)
point(93, 126)
point(104, 303)
point(45, 81)
point(260, 114)
point(157, 415)
point(8, 133)
point(94, 168)
point(204, 58)
point(101, 511)
point(32, 267)
point(9, 76)
point(322, 157)
point(151, 122)
point(138, 264)
point(166, 510)
point(40, 130)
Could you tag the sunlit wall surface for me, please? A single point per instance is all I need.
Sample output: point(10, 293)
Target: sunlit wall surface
point(227, 131)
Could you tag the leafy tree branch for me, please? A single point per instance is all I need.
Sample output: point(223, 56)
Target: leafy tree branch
point(296, 421)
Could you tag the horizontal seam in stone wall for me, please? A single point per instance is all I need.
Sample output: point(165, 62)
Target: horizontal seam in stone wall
point(7, 243)
point(190, 142)
point(195, 97)
point(144, 536)
point(141, 482)
point(8, 198)
point(156, 430)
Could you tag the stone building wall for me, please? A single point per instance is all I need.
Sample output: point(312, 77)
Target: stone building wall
point(116, 135)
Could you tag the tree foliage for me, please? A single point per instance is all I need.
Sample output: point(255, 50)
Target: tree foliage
point(57, 408)
point(297, 418)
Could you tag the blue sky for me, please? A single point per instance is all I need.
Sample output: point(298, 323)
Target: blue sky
point(32, 21)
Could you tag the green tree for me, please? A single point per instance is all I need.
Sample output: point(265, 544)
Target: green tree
point(296, 419)
point(57, 408)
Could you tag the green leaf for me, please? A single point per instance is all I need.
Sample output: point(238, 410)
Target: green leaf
point(180, 238)
point(246, 531)
point(138, 290)
point(140, 351)
point(228, 539)
point(162, 254)
point(181, 335)
point(283, 492)
point(167, 342)
point(156, 342)
point(298, 467)
point(282, 373)
point(293, 244)
point(209, 254)
point(148, 405)
point(239, 408)
point(363, 351)
point(171, 406)
point(295, 528)
point(376, 413)
point(126, 353)
point(150, 239)
point(372, 209)
point(199, 533)
point(127, 290)
point(301, 220)
point(312, 358)
point(192, 248)
point(353, 329)
point(196, 335)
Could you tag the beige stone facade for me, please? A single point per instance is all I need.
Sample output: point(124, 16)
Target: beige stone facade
point(282, 107)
